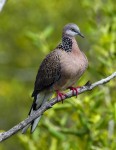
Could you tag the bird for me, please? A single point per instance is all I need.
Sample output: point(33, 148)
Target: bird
point(59, 70)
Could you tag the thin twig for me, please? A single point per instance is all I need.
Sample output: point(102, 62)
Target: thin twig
point(48, 105)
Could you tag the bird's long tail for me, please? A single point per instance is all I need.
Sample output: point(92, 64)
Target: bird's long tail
point(42, 97)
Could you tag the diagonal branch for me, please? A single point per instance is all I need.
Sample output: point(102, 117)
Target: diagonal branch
point(2, 3)
point(48, 105)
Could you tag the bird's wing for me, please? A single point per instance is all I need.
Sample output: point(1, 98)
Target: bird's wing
point(48, 73)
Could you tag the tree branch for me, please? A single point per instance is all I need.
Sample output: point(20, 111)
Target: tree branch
point(48, 105)
point(2, 3)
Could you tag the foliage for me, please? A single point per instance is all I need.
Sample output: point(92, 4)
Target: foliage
point(29, 30)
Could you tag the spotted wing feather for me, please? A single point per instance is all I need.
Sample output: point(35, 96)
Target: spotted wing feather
point(48, 73)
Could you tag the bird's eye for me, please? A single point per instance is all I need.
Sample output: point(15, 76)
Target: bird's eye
point(73, 29)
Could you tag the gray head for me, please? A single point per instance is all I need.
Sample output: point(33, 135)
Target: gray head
point(71, 30)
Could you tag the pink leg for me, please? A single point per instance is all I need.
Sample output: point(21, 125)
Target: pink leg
point(74, 90)
point(60, 96)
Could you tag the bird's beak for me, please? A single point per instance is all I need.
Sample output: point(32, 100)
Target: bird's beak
point(79, 33)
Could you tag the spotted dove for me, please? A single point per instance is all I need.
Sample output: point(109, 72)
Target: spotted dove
point(59, 70)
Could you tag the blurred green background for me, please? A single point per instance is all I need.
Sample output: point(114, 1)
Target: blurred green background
point(29, 30)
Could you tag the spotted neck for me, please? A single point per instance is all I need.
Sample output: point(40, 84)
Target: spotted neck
point(66, 44)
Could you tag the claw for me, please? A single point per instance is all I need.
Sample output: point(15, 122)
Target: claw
point(74, 90)
point(60, 96)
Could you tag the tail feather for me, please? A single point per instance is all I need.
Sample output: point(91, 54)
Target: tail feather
point(25, 129)
point(42, 97)
point(35, 123)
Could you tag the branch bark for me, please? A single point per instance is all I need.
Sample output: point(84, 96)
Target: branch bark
point(48, 105)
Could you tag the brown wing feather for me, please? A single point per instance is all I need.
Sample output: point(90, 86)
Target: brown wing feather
point(48, 73)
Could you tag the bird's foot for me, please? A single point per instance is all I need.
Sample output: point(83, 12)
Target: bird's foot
point(60, 96)
point(74, 90)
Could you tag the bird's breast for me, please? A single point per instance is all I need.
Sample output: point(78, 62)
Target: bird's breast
point(72, 67)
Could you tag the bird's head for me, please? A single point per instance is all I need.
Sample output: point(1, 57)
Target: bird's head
point(72, 30)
